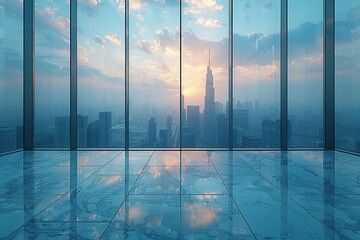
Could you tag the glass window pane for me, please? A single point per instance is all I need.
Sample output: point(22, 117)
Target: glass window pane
point(52, 74)
point(256, 113)
point(205, 74)
point(305, 74)
point(11, 75)
point(347, 65)
point(101, 74)
point(154, 74)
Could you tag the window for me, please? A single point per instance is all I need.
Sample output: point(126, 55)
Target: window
point(52, 74)
point(256, 100)
point(305, 74)
point(101, 74)
point(11, 75)
point(347, 72)
point(154, 74)
point(205, 73)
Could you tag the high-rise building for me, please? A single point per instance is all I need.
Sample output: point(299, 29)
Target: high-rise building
point(222, 131)
point(152, 132)
point(62, 131)
point(250, 141)
point(241, 118)
point(163, 135)
point(268, 133)
point(93, 135)
point(209, 110)
point(187, 137)
point(105, 129)
point(193, 119)
point(183, 111)
point(169, 129)
point(219, 108)
point(82, 122)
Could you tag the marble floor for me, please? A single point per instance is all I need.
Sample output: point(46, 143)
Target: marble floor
point(180, 195)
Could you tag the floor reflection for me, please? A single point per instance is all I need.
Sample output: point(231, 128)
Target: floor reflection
point(180, 195)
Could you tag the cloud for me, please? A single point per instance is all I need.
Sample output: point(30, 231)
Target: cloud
point(91, 7)
point(145, 46)
point(214, 23)
point(305, 34)
point(140, 17)
point(53, 31)
point(13, 7)
point(114, 38)
point(99, 40)
point(201, 6)
point(134, 4)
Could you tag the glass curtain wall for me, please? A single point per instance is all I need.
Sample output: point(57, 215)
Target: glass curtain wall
point(347, 72)
point(101, 74)
point(52, 74)
point(156, 102)
point(154, 41)
point(205, 71)
point(305, 74)
point(11, 75)
point(256, 99)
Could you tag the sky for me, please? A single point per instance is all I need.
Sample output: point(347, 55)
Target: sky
point(154, 52)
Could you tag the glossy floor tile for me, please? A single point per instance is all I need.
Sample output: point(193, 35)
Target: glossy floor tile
point(180, 195)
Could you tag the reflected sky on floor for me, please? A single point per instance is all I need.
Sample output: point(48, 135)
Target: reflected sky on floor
point(180, 195)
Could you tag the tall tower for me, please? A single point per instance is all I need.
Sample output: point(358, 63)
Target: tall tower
point(209, 111)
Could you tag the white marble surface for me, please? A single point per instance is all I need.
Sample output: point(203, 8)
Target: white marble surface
point(180, 195)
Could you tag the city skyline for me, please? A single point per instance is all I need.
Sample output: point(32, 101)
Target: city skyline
point(155, 65)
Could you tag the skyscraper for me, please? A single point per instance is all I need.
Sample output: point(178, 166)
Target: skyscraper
point(163, 138)
point(93, 134)
point(151, 132)
point(82, 131)
point(169, 131)
point(105, 129)
point(183, 111)
point(209, 111)
point(222, 131)
point(193, 119)
point(62, 137)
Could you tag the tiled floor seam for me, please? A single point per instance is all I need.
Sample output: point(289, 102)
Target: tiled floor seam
point(126, 196)
point(34, 217)
point(337, 234)
point(234, 202)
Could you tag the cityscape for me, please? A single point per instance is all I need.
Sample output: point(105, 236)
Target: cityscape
point(199, 128)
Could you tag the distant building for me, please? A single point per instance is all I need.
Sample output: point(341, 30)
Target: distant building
point(223, 131)
point(169, 130)
point(82, 122)
point(183, 111)
point(268, 133)
point(105, 129)
point(93, 134)
point(163, 138)
point(219, 108)
point(193, 119)
point(187, 137)
point(62, 131)
point(251, 141)
point(151, 132)
point(241, 118)
point(209, 110)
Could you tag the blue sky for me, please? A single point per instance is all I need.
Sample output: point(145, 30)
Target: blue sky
point(154, 39)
